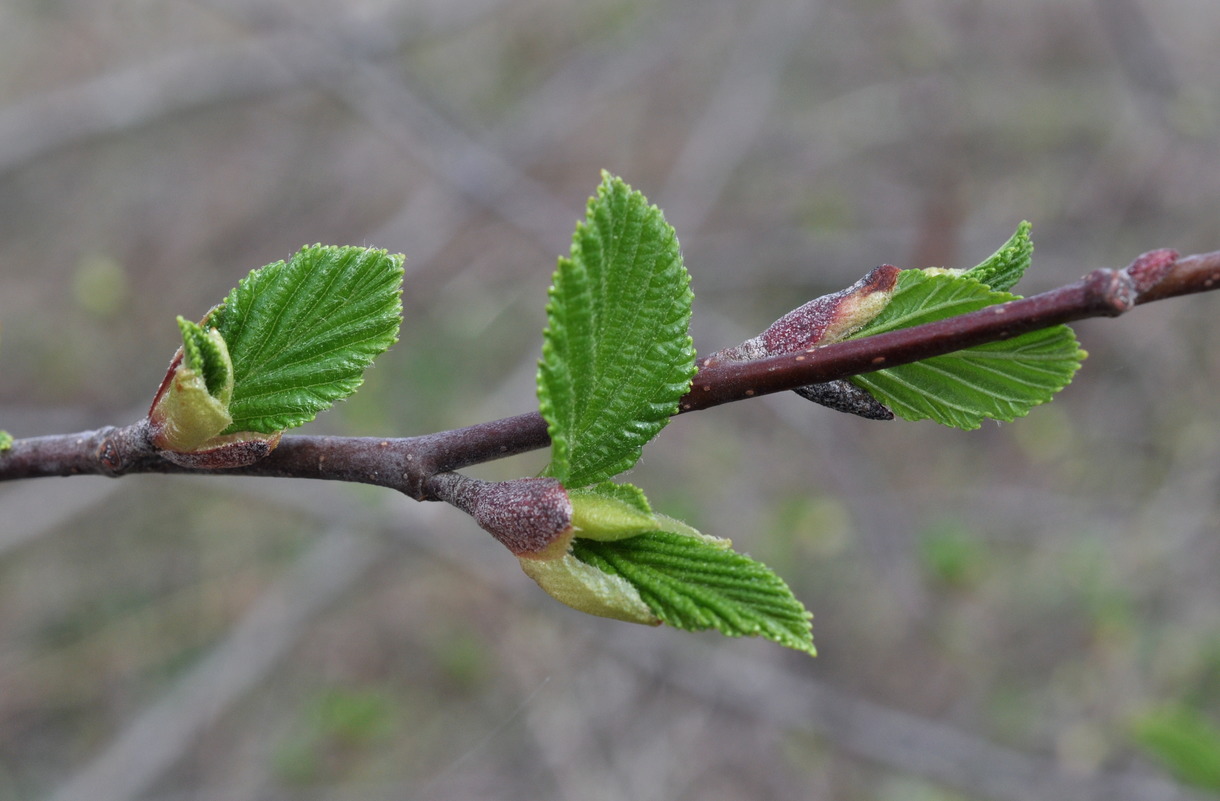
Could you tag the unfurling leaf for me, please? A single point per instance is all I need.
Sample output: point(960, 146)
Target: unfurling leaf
point(616, 353)
point(1003, 269)
point(191, 408)
point(693, 582)
point(289, 341)
point(302, 333)
point(628, 563)
point(1000, 380)
point(192, 404)
point(205, 353)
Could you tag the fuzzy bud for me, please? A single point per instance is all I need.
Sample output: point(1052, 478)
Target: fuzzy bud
point(822, 321)
point(1149, 268)
point(532, 517)
point(833, 317)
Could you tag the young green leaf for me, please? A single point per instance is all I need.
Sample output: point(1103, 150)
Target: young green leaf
point(611, 511)
point(1000, 380)
point(588, 589)
point(694, 582)
point(205, 353)
point(6, 440)
point(1003, 269)
point(191, 406)
point(616, 353)
point(628, 563)
point(301, 333)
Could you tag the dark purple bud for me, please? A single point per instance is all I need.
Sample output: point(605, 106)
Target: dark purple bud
point(822, 321)
point(844, 396)
point(532, 517)
point(832, 317)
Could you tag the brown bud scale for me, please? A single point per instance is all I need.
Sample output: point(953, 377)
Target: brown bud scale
point(233, 450)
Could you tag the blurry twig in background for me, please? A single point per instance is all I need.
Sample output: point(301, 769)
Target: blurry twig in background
point(384, 100)
point(152, 743)
point(135, 96)
point(737, 110)
point(47, 508)
point(894, 739)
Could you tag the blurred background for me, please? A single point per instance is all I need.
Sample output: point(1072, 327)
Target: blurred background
point(1027, 611)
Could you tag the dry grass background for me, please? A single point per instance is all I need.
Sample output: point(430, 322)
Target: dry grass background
point(994, 609)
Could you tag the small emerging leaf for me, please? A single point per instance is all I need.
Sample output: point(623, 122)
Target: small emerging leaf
point(204, 352)
point(186, 412)
point(616, 353)
point(697, 583)
point(1003, 269)
point(302, 333)
point(589, 589)
point(999, 380)
point(6, 440)
point(610, 511)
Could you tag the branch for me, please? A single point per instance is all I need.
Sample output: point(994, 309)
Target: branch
point(410, 464)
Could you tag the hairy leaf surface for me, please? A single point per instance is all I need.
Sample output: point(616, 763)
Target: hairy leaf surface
point(695, 583)
point(204, 353)
point(1003, 269)
point(301, 333)
point(616, 353)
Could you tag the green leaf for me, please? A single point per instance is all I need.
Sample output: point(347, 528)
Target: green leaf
point(1185, 742)
point(611, 511)
point(587, 589)
point(205, 353)
point(6, 440)
point(999, 380)
point(301, 333)
point(616, 353)
point(1003, 269)
point(694, 582)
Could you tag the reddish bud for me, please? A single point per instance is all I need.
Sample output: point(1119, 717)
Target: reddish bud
point(832, 317)
point(1149, 268)
point(532, 517)
point(822, 321)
